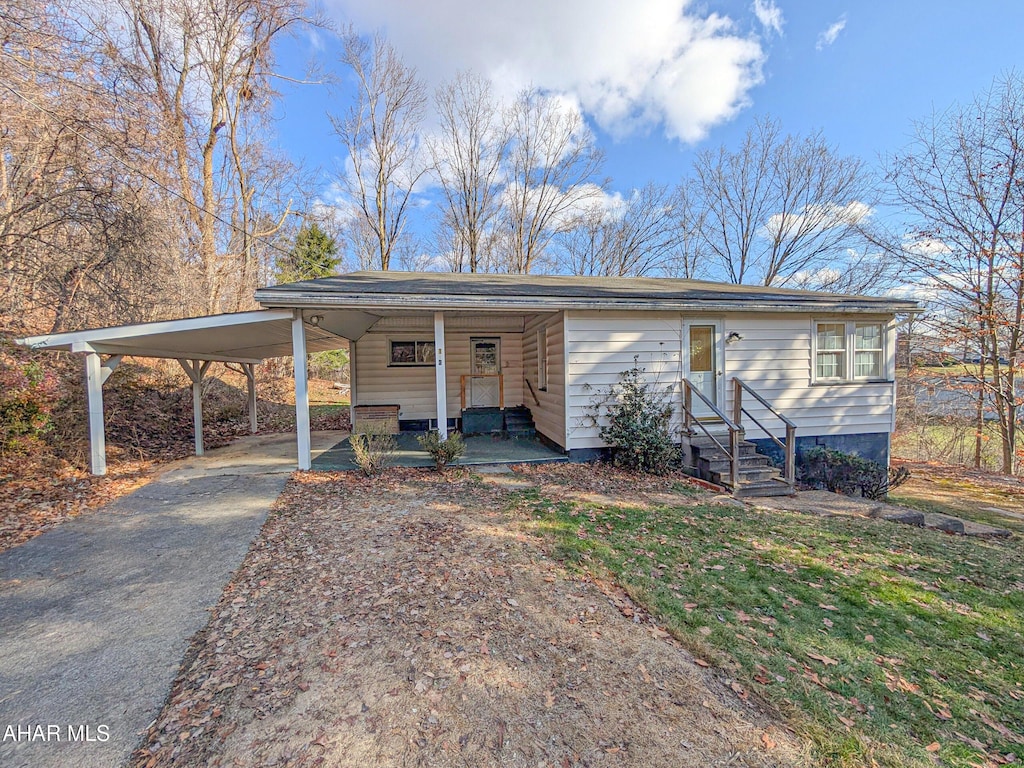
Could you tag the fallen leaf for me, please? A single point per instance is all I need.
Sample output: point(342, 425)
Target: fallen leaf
point(827, 607)
point(826, 660)
point(701, 663)
point(933, 747)
point(549, 699)
point(846, 721)
point(767, 741)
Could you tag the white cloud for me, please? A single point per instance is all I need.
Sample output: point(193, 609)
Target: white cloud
point(770, 15)
point(816, 218)
point(829, 36)
point(632, 66)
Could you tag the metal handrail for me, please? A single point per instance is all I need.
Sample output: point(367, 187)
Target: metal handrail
point(788, 447)
point(733, 451)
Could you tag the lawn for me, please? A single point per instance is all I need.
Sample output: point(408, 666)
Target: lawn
point(882, 644)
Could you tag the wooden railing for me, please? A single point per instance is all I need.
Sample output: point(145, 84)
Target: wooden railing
point(533, 394)
point(470, 376)
point(788, 447)
point(690, 419)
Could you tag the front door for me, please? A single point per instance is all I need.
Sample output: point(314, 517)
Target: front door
point(485, 384)
point(703, 368)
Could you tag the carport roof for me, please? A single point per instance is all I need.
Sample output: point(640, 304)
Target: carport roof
point(245, 337)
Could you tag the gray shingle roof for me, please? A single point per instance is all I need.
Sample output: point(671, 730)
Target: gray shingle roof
point(488, 291)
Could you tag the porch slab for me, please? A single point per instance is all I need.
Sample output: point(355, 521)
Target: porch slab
point(480, 450)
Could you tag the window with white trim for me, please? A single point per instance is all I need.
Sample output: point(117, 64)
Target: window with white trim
point(410, 353)
point(849, 351)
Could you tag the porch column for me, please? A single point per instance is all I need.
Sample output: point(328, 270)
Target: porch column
point(195, 371)
point(301, 391)
point(441, 385)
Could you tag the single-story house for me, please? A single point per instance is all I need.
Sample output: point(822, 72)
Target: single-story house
point(783, 368)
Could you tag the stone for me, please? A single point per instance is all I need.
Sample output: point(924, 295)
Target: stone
point(907, 518)
point(947, 524)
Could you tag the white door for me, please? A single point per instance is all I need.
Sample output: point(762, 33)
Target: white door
point(703, 368)
point(485, 385)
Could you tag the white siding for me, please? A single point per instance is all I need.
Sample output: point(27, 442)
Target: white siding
point(412, 387)
point(773, 357)
point(549, 413)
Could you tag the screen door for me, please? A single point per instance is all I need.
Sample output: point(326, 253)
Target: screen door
point(485, 386)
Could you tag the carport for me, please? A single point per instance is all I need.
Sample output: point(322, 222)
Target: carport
point(243, 338)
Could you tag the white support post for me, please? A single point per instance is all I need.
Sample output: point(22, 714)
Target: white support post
point(94, 387)
point(250, 376)
point(441, 384)
point(301, 391)
point(195, 371)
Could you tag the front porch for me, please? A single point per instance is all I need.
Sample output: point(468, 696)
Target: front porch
point(481, 450)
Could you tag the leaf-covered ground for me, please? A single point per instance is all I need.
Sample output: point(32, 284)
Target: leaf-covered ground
point(411, 620)
point(883, 644)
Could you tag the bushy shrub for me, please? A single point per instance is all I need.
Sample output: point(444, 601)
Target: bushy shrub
point(27, 395)
point(849, 474)
point(374, 450)
point(443, 452)
point(636, 421)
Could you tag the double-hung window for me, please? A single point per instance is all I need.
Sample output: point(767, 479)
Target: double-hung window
point(849, 351)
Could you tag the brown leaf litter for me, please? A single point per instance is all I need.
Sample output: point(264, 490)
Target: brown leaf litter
point(407, 621)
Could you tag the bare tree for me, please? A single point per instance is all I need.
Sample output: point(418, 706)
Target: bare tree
point(77, 227)
point(549, 177)
point(962, 183)
point(468, 154)
point(380, 133)
point(781, 206)
point(206, 68)
point(638, 236)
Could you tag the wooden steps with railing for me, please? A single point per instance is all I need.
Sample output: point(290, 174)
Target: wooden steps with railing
point(719, 452)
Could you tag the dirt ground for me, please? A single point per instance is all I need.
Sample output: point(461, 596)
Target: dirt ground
point(409, 621)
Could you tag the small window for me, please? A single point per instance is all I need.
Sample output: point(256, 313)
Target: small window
point(542, 358)
point(867, 345)
point(411, 353)
point(831, 351)
point(849, 351)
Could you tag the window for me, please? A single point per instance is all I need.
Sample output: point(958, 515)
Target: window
point(542, 358)
point(851, 351)
point(411, 353)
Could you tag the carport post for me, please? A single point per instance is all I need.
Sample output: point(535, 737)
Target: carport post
point(96, 374)
point(196, 371)
point(250, 377)
point(440, 381)
point(97, 440)
point(301, 391)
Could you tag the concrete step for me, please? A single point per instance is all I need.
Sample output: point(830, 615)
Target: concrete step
point(719, 462)
point(746, 475)
point(763, 488)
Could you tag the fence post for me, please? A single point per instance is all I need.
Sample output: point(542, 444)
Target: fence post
point(791, 455)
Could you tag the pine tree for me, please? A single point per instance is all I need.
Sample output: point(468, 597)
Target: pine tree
point(315, 254)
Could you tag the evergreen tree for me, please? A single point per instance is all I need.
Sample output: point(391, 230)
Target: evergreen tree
point(315, 254)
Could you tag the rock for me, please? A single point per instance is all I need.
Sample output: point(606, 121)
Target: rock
point(727, 500)
point(947, 524)
point(907, 518)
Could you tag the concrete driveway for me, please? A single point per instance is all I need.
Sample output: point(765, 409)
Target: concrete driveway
point(96, 615)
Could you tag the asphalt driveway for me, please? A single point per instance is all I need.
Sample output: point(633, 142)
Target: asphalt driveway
point(96, 615)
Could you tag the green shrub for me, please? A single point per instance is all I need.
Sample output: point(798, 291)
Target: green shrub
point(443, 452)
point(374, 451)
point(27, 395)
point(849, 474)
point(637, 414)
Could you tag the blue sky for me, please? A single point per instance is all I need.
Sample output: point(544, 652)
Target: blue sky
point(659, 80)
